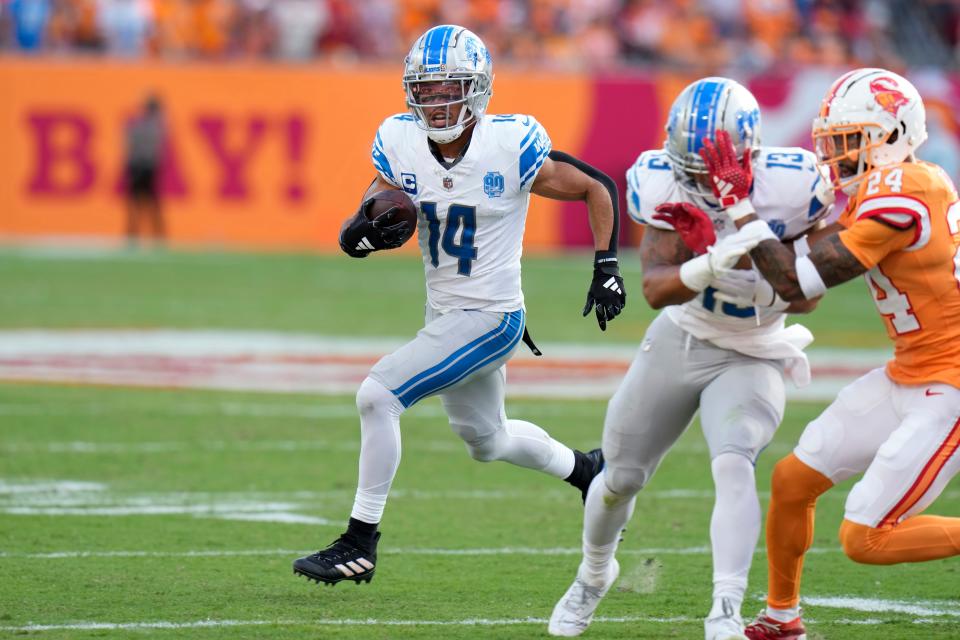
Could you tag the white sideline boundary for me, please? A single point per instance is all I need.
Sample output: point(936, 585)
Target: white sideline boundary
point(332, 365)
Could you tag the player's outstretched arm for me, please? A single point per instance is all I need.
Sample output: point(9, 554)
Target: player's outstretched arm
point(828, 264)
point(563, 177)
point(794, 277)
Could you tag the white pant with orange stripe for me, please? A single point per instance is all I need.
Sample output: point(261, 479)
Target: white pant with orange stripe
point(903, 438)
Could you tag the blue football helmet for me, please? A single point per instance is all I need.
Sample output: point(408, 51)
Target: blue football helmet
point(703, 108)
point(454, 56)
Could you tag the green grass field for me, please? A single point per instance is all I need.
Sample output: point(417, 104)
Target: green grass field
point(161, 531)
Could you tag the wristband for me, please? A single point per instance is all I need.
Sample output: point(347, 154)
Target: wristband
point(809, 278)
point(606, 262)
point(759, 230)
point(741, 209)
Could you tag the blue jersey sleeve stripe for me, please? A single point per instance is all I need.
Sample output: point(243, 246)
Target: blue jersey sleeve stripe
point(531, 161)
point(534, 170)
point(380, 160)
point(527, 137)
point(530, 158)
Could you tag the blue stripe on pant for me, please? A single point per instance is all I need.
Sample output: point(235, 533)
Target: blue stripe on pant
point(463, 362)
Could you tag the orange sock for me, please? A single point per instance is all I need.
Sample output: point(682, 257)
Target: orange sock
point(916, 539)
point(795, 489)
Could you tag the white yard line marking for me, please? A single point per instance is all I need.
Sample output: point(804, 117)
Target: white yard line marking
point(872, 605)
point(48, 487)
point(369, 622)
point(374, 622)
point(417, 551)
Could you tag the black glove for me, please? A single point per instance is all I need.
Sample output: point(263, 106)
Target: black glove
point(606, 289)
point(359, 235)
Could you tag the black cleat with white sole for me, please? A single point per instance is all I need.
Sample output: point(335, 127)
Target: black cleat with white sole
point(347, 558)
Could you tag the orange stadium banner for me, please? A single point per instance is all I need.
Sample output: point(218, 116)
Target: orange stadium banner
point(268, 157)
point(274, 157)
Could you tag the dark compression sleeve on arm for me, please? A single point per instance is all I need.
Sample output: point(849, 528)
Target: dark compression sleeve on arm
point(602, 178)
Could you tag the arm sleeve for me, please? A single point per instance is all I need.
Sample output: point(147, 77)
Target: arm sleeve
point(602, 178)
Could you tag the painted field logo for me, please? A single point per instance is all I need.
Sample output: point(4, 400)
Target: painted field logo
point(493, 184)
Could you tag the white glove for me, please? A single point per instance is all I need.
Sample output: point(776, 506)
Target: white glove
point(746, 288)
point(741, 287)
point(697, 273)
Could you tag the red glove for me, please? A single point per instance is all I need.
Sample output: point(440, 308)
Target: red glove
point(694, 226)
point(732, 179)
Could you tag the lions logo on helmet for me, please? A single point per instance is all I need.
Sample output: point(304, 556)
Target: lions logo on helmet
point(700, 111)
point(457, 60)
point(869, 118)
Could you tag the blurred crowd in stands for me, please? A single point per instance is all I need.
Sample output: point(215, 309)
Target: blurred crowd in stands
point(694, 35)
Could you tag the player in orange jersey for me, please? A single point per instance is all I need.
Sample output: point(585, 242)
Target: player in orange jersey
point(898, 425)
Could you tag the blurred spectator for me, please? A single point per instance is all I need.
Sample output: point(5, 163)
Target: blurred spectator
point(299, 24)
point(29, 20)
point(695, 36)
point(125, 25)
point(73, 25)
point(143, 159)
point(254, 32)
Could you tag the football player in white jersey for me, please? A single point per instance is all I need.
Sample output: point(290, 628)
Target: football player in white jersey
point(720, 345)
point(470, 175)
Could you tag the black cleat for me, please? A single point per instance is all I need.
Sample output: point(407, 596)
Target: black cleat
point(585, 468)
point(345, 559)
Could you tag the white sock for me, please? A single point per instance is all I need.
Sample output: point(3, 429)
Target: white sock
point(604, 516)
point(379, 449)
point(784, 615)
point(527, 445)
point(734, 527)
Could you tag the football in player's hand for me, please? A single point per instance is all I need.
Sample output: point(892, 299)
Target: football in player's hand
point(398, 206)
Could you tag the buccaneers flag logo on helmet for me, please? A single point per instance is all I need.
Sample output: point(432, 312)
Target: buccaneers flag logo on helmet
point(887, 95)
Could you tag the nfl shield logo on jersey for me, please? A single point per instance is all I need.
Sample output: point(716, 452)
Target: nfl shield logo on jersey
point(493, 184)
point(447, 183)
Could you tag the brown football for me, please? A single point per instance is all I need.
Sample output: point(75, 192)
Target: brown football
point(385, 200)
